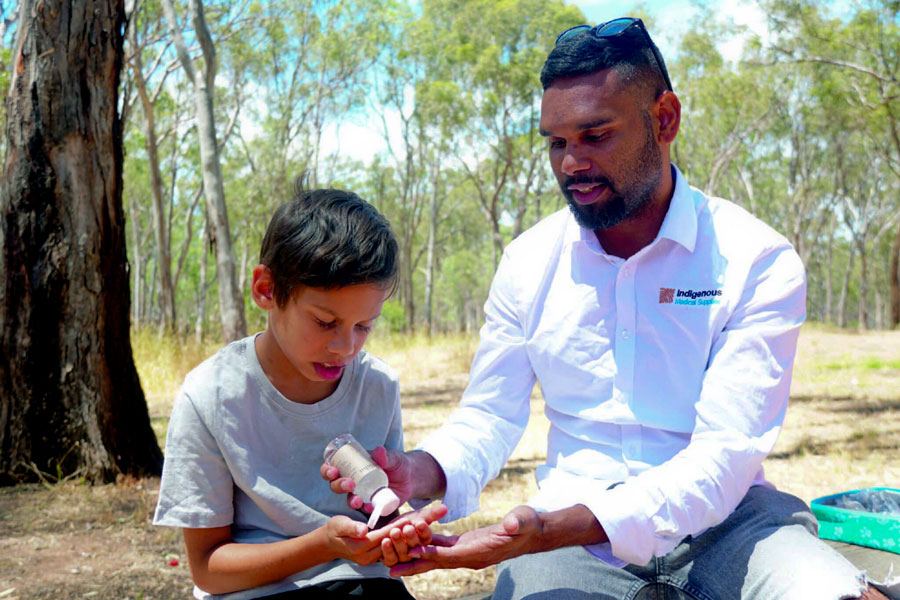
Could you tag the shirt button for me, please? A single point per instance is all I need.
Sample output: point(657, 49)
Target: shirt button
point(626, 334)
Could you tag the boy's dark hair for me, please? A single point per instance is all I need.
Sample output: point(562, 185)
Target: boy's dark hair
point(328, 238)
point(628, 53)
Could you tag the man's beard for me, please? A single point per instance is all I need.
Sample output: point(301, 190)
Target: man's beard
point(625, 201)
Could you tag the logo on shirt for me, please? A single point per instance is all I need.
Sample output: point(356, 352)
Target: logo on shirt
point(689, 297)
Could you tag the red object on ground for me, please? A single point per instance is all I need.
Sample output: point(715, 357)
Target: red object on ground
point(173, 562)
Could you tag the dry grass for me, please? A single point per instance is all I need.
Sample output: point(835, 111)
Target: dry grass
point(74, 541)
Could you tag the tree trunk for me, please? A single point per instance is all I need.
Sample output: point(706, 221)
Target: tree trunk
point(160, 229)
point(894, 280)
point(201, 291)
point(430, 255)
point(136, 267)
point(863, 308)
point(72, 403)
point(845, 287)
point(829, 294)
point(231, 299)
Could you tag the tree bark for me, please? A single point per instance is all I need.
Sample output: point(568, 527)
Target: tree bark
point(72, 403)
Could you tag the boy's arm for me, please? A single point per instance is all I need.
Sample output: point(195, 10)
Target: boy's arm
point(220, 565)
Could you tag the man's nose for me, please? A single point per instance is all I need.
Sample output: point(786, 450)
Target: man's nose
point(573, 161)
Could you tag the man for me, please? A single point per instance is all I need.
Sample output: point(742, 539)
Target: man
point(662, 326)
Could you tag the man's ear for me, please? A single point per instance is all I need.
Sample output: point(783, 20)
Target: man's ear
point(668, 113)
point(263, 287)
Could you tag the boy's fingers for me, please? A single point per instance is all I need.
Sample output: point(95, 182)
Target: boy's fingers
point(434, 512)
point(411, 536)
point(347, 527)
point(388, 554)
point(400, 544)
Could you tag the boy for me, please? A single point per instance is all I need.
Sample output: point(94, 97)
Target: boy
point(248, 428)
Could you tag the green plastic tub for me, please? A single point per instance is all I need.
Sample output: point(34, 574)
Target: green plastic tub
point(868, 517)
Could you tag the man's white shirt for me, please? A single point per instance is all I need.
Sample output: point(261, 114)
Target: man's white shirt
point(665, 376)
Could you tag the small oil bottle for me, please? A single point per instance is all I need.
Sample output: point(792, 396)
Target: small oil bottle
point(352, 461)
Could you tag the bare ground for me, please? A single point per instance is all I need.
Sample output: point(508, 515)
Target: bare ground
point(70, 540)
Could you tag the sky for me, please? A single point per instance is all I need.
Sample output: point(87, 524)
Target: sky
point(672, 18)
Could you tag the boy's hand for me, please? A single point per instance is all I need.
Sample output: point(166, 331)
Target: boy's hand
point(408, 531)
point(351, 539)
point(397, 465)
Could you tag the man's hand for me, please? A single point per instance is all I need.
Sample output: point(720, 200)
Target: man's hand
point(515, 535)
point(404, 470)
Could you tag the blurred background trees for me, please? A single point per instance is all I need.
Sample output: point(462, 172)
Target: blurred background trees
point(429, 110)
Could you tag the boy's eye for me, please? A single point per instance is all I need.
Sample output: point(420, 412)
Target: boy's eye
point(324, 324)
point(364, 328)
point(555, 143)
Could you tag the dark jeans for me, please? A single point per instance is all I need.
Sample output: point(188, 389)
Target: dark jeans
point(351, 589)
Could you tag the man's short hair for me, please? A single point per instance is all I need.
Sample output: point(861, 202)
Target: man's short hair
point(628, 53)
point(328, 238)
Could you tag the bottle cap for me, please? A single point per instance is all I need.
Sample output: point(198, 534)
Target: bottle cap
point(386, 502)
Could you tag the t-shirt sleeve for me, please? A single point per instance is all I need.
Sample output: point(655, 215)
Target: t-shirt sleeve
point(196, 489)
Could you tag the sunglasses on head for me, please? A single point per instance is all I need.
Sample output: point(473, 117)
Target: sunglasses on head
point(614, 28)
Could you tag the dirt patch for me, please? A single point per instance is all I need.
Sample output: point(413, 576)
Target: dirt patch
point(77, 541)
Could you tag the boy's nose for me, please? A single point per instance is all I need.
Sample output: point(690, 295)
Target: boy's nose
point(343, 343)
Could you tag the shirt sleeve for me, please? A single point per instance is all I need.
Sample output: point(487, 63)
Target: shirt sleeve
point(196, 489)
point(740, 412)
point(481, 434)
point(394, 439)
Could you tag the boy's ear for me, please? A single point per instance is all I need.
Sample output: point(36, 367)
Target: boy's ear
point(263, 287)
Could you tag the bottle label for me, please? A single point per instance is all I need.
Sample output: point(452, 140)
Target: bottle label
point(353, 461)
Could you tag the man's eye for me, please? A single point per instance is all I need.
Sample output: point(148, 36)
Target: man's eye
point(364, 328)
point(557, 143)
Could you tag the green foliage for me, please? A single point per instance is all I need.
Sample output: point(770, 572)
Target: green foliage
point(393, 318)
point(801, 129)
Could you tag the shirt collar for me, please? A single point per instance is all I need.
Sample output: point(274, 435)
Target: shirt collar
point(679, 225)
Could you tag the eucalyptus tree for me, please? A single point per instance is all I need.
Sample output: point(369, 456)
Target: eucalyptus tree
point(147, 38)
point(310, 67)
point(494, 52)
point(202, 79)
point(863, 49)
point(71, 402)
point(727, 107)
point(420, 117)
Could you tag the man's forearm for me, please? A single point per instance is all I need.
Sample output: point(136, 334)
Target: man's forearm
point(429, 480)
point(572, 526)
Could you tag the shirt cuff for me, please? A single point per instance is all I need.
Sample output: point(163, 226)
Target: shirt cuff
point(461, 495)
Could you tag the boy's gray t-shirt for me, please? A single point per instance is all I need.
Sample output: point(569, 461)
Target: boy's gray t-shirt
point(239, 453)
